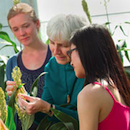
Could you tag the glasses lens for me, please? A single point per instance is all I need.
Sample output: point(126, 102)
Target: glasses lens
point(70, 51)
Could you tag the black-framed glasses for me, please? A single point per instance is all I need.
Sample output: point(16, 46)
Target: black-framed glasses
point(70, 51)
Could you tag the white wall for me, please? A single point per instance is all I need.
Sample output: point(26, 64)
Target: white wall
point(118, 10)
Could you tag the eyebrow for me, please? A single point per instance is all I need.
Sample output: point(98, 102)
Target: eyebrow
point(21, 25)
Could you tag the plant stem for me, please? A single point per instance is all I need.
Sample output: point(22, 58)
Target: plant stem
point(105, 4)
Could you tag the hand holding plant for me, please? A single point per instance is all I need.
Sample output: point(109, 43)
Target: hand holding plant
point(13, 106)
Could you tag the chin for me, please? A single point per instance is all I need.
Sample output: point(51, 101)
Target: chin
point(62, 62)
point(79, 75)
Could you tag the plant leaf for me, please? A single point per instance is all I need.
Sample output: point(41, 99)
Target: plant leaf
point(0, 26)
point(47, 41)
point(126, 52)
point(86, 10)
point(120, 53)
point(34, 87)
point(26, 124)
point(44, 124)
point(2, 73)
point(10, 124)
point(12, 98)
point(4, 59)
point(67, 120)
point(115, 29)
point(5, 36)
point(58, 126)
point(122, 30)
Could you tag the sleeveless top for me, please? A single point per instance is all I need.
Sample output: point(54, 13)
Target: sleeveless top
point(29, 76)
point(118, 118)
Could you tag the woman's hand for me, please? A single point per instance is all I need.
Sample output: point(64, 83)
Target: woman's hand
point(31, 105)
point(10, 87)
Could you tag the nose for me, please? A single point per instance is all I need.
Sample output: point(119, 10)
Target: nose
point(57, 50)
point(71, 63)
point(21, 31)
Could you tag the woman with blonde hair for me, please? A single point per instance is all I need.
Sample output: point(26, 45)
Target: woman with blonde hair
point(32, 59)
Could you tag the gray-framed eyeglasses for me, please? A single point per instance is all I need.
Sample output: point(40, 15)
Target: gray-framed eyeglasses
point(70, 51)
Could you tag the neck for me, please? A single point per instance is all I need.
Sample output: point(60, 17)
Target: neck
point(36, 46)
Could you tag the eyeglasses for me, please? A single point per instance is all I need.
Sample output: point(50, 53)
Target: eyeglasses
point(70, 51)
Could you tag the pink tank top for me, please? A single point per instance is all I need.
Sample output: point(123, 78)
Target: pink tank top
point(118, 118)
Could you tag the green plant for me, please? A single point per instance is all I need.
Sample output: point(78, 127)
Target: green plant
point(16, 2)
point(3, 59)
point(3, 111)
point(122, 49)
point(66, 122)
point(86, 10)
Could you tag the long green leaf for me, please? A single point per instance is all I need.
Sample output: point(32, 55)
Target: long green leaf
point(58, 126)
point(5, 46)
point(115, 29)
point(4, 59)
point(67, 120)
point(0, 26)
point(120, 53)
point(34, 88)
point(11, 111)
point(10, 124)
point(44, 124)
point(5, 36)
point(27, 122)
point(122, 30)
point(126, 52)
point(86, 10)
point(2, 74)
point(12, 99)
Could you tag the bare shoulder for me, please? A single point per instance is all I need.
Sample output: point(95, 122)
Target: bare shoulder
point(89, 106)
point(91, 94)
point(91, 90)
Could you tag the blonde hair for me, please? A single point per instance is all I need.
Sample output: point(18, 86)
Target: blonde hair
point(22, 8)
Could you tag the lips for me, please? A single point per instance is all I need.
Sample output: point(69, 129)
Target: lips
point(60, 57)
point(24, 39)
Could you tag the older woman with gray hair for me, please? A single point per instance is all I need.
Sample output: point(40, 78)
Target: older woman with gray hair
point(61, 84)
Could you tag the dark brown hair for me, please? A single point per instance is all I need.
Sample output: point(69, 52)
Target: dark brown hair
point(100, 58)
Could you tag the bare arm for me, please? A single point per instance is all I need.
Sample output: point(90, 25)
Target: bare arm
point(89, 108)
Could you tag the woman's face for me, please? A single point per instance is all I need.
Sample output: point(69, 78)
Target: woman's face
point(59, 49)
point(25, 30)
point(76, 63)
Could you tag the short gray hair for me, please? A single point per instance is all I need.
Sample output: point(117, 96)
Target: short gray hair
point(61, 26)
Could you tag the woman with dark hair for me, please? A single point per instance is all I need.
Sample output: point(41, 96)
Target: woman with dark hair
point(104, 102)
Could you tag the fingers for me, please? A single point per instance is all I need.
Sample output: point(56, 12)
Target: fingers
point(10, 87)
point(9, 93)
point(24, 105)
point(26, 97)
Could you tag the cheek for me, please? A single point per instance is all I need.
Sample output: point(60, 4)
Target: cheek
point(16, 34)
point(51, 47)
point(76, 63)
